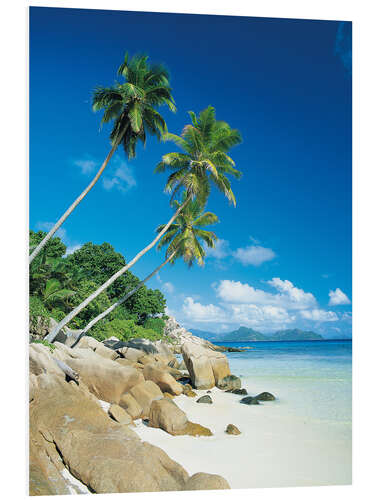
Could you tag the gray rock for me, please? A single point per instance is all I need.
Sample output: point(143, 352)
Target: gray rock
point(249, 401)
point(265, 396)
point(240, 392)
point(205, 399)
point(230, 382)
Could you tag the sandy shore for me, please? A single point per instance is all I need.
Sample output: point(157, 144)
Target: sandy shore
point(275, 449)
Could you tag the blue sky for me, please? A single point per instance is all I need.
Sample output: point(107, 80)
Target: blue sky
point(284, 254)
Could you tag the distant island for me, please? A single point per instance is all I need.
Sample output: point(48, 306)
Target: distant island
point(244, 334)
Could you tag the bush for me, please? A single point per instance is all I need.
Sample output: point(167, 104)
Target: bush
point(156, 324)
point(37, 310)
point(124, 330)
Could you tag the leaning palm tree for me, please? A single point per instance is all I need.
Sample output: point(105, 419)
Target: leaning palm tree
point(206, 144)
point(131, 106)
point(182, 239)
point(204, 161)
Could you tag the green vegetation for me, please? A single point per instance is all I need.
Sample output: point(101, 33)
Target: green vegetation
point(124, 330)
point(59, 283)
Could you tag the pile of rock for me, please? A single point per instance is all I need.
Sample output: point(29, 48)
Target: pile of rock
point(68, 425)
point(179, 335)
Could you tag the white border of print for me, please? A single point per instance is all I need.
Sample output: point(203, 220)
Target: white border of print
point(14, 201)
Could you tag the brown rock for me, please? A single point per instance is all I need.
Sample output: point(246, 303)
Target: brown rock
point(163, 379)
point(132, 407)
point(167, 395)
point(145, 393)
point(193, 429)
point(108, 458)
point(87, 342)
point(190, 394)
point(232, 429)
point(203, 481)
point(166, 415)
point(119, 414)
point(106, 379)
point(130, 353)
point(206, 367)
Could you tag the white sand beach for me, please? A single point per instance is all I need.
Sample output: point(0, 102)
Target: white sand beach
point(275, 447)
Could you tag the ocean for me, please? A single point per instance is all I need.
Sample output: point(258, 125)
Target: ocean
point(311, 379)
point(303, 438)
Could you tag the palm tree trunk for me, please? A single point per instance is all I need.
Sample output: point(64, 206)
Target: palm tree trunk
point(121, 301)
point(74, 204)
point(52, 335)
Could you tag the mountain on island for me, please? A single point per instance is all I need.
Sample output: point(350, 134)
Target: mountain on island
point(244, 334)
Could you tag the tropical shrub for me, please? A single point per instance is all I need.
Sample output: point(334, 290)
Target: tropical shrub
point(124, 330)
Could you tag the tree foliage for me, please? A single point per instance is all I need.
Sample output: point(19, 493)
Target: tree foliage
point(58, 283)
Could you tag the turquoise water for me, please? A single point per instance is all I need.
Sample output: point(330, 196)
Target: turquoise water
point(311, 379)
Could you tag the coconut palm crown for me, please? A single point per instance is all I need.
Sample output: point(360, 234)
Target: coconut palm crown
point(131, 105)
point(183, 237)
point(204, 160)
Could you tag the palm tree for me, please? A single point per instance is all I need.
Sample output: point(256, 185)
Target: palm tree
point(204, 160)
point(182, 239)
point(206, 143)
point(55, 292)
point(131, 105)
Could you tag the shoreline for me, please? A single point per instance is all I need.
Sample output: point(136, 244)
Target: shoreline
point(279, 449)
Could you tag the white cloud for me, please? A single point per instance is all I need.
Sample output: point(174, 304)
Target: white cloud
point(319, 315)
point(168, 287)
point(254, 255)
point(290, 297)
point(195, 311)
point(337, 298)
point(87, 165)
point(119, 177)
point(220, 251)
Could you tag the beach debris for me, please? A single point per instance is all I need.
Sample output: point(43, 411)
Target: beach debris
point(240, 392)
point(119, 414)
point(230, 382)
point(232, 429)
point(249, 400)
point(205, 399)
point(265, 396)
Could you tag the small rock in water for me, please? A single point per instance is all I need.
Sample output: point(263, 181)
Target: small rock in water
point(265, 396)
point(249, 401)
point(240, 392)
point(229, 382)
point(232, 429)
point(205, 399)
point(208, 392)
